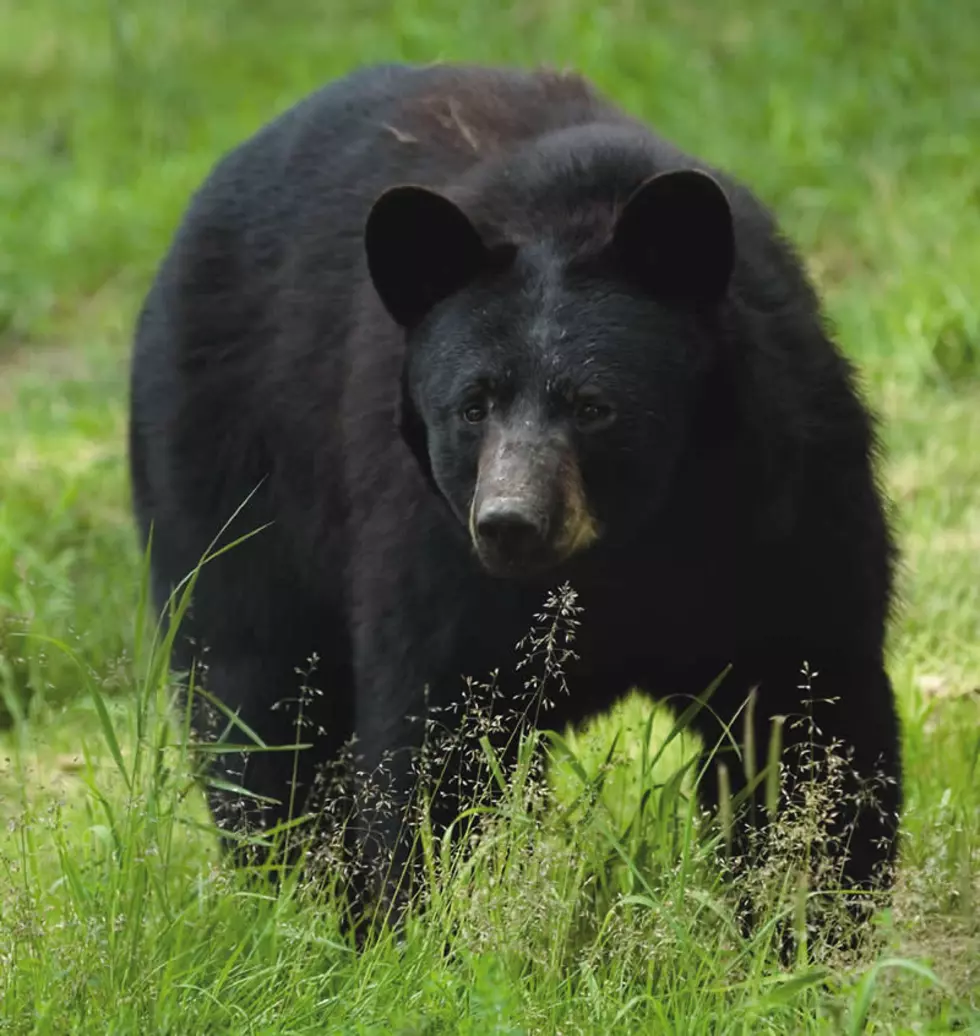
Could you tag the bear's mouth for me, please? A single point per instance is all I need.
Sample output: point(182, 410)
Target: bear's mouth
point(518, 568)
point(514, 547)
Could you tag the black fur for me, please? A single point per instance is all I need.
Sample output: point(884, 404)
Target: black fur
point(738, 515)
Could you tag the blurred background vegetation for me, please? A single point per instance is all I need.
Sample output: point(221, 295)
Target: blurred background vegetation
point(857, 120)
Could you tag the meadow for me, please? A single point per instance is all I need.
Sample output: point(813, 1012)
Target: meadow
point(859, 122)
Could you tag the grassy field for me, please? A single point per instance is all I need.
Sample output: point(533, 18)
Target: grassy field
point(859, 121)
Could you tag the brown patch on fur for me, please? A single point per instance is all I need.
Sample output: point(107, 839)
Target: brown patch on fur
point(485, 115)
point(579, 528)
point(479, 118)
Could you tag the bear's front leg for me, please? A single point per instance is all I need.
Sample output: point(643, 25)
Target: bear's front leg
point(419, 720)
point(263, 687)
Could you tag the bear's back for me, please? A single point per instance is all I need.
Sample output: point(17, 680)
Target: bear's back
point(270, 249)
point(333, 153)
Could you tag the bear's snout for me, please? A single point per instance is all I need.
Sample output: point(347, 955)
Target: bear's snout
point(512, 528)
point(528, 511)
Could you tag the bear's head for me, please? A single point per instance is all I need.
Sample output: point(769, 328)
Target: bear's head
point(549, 390)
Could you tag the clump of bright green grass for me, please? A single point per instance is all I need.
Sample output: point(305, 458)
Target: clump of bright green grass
point(603, 913)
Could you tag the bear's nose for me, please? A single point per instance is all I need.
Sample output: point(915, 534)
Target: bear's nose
point(510, 528)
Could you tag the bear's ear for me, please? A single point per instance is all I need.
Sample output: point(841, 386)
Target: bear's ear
point(421, 248)
point(675, 235)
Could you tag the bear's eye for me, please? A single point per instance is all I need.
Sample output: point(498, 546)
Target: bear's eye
point(474, 412)
point(591, 414)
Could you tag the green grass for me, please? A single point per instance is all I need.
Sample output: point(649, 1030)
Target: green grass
point(860, 123)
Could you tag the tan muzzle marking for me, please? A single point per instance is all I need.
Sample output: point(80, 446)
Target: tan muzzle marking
point(579, 528)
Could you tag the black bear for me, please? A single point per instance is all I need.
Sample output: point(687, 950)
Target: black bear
point(450, 336)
